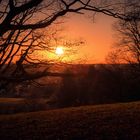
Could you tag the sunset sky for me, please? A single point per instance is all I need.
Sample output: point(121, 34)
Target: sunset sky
point(98, 34)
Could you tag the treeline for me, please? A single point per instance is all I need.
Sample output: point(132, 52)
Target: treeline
point(99, 85)
point(90, 84)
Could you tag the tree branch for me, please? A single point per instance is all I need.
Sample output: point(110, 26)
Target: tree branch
point(11, 5)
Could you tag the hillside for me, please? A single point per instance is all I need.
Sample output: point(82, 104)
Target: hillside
point(110, 122)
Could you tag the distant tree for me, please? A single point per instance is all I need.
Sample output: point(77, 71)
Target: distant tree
point(68, 92)
point(85, 84)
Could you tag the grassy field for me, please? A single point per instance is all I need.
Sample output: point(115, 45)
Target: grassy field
point(100, 122)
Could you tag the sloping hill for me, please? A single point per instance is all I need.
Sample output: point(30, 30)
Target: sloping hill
point(101, 122)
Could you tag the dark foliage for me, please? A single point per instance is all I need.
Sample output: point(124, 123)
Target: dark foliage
point(101, 84)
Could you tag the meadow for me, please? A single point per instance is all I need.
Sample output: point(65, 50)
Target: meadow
point(96, 122)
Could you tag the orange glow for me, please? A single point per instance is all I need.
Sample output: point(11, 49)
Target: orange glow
point(99, 36)
point(98, 39)
point(59, 50)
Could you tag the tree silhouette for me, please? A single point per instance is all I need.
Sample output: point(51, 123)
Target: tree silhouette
point(20, 30)
point(127, 49)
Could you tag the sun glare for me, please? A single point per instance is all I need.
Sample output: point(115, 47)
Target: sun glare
point(59, 51)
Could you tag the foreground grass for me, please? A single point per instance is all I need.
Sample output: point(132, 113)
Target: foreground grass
point(108, 122)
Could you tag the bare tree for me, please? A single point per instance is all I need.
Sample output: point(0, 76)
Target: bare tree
point(21, 21)
point(52, 9)
point(127, 48)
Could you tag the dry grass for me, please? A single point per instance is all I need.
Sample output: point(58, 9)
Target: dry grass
point(101, 122)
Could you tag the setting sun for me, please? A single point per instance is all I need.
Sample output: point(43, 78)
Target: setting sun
point(59, 51)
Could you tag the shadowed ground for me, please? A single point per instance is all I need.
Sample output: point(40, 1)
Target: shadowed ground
point(100, 122)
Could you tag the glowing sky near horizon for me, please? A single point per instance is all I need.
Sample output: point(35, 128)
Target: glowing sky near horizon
point(98, 35)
